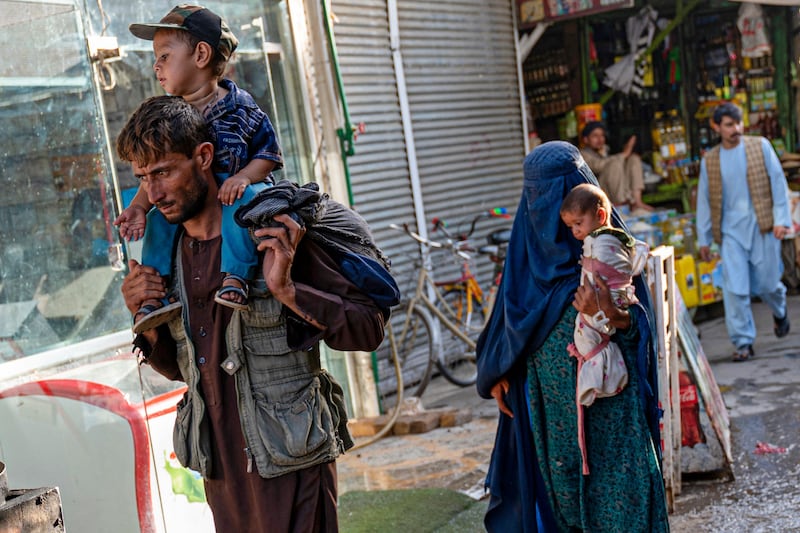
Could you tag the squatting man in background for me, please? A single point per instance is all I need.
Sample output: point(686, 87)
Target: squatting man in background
point(620, 175)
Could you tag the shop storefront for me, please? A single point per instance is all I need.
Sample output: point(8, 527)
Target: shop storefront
point(657, 71)
point(690, 55)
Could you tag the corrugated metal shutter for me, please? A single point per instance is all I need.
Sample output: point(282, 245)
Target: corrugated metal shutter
point(460, 66)
point(461, 70)
point(379, 169)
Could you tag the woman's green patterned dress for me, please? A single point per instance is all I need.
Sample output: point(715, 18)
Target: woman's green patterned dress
point(624, 491)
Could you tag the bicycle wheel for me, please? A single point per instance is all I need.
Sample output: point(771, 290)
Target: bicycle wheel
point(456, 360)
point(415, 343)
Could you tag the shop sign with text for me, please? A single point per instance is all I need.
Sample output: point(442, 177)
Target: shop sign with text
point(533, 11)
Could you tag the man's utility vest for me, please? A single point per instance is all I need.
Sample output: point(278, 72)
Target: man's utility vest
point(291, 410)
point(757, 181)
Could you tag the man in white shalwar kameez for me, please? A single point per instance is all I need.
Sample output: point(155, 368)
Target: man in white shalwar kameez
point(743, 205)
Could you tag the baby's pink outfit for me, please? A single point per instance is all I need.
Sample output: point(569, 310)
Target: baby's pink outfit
point(614, 256)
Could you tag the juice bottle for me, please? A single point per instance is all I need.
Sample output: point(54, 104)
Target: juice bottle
point(689, 240)
point(655, 130)
point(665, 134)
point(679, 132)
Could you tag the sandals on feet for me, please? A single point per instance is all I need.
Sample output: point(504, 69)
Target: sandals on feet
point(782, 325)
point(150, 316)
point(745, 353)
point(241, 292)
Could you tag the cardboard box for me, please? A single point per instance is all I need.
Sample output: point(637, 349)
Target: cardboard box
point(686, 278)
point(709, 293)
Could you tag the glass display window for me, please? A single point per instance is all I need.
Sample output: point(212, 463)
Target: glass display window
point(56, 284)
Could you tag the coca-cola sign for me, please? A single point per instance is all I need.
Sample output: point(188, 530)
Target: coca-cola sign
point(688, 396)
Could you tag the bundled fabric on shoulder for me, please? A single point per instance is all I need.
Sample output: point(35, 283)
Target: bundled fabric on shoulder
point(342, 232)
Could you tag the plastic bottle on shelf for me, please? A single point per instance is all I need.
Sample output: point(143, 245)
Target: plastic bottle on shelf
point(679, 133)
point(676, 173)
point(658, 163)
point(684, 146)
point(667, 147)
point(703, 136)
point(571, 125)
point(676, 237)
point(689, 240)
point(655, 130)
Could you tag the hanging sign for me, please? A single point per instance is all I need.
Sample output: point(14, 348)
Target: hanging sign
point(533, 11)
point(774, 2)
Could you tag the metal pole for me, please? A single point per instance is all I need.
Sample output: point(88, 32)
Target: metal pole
point(345, 133)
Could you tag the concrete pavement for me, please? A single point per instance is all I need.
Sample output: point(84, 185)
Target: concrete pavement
point(762, 397)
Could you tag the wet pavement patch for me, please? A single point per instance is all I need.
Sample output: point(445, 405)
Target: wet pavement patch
point(765, 495)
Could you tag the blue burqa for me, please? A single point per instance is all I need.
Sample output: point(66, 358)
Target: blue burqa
point(540, 277)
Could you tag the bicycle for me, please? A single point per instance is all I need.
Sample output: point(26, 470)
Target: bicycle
point(463, 300)
point(467, 287)
point(439, 323)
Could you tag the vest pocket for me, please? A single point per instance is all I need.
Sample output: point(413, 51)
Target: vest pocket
point(264, 341)
point(264, 312)
point(264, 329)
point(299, 432)
point(181, 434)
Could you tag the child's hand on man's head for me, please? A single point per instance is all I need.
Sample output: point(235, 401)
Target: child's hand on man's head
point(232, 189)
point(132, 222)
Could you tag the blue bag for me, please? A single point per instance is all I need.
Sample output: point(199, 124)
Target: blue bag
point(369, 275)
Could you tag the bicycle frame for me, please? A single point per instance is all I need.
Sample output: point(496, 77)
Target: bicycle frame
point(437, 325)
point(420, 297)
point(492, 295)
point(473, 291)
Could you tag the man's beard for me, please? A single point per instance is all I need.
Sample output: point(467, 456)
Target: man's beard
point(194, 202)
point(734, 138)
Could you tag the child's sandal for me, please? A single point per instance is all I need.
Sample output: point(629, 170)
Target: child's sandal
point(241, 292)
point(150, 316)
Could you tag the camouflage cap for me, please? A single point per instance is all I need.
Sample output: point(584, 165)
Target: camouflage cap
point(198, 21)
